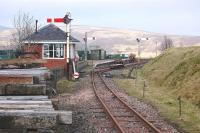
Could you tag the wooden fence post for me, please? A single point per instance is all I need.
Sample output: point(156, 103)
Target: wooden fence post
point(180, 106)
point(144, 88)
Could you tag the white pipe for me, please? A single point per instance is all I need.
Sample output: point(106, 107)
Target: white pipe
point(68, 43)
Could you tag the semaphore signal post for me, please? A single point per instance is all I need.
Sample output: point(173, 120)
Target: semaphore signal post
point(67, 20)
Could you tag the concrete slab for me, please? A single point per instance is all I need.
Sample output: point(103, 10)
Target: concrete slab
point(33, 119)
point(27, 119)
point(27, 107)
point(27, 102)
point(65, 117)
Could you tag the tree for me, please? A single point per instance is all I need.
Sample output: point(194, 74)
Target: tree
point(167, 43)
point(132, 57)
point(25, 26)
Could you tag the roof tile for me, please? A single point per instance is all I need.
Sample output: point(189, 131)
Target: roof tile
point(50, 33)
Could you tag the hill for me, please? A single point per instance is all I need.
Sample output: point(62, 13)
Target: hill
point(5, 37)
point(3, 27)
point(124, 41)
point(178, 69)
point(115, 40)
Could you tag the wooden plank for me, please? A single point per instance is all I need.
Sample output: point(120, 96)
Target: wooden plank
point(28, 102)
point(40, 73)
point(22, 61)
point(24, 98)
point(26, 107)
point(16, 80)
point(11, 130)
point(16, 89)
point(22, 130)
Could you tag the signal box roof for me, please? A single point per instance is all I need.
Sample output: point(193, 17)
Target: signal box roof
point(49, 33)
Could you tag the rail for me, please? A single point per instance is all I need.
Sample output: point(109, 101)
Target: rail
point(147, 124)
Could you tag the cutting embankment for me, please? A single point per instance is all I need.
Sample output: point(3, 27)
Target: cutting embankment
point(178, 70)
point(174, 73)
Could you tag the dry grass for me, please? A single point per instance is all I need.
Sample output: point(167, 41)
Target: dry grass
point(179, 70)
point(65, 86)
point(166, 103)
point(175, 73)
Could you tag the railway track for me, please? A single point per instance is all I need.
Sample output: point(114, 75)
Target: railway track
point(124, 118)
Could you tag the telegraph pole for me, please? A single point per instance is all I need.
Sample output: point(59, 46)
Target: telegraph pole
point(86, 41)
point(139, 51)
point(86, 49)
point(156, 48)
point(138, 40)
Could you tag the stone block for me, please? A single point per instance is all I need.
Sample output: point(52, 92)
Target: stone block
point(65, 117)
point(27, 119)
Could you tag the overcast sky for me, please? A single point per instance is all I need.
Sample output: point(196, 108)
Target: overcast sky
point(162, 16)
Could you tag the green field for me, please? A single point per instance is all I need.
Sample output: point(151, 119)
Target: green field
point(174, 73)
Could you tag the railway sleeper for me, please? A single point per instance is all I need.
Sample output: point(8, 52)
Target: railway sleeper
point(108, 130)
point(127, 119)
point(123, 114)
point(97, 110)
point(97, 115)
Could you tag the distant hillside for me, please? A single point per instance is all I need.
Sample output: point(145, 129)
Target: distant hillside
point(178, 69)
point(124, 41)
point(3, 27)
point(5, 37)
point(115, 40)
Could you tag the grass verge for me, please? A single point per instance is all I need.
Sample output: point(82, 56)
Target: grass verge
point(164, 100)
point(65, 86)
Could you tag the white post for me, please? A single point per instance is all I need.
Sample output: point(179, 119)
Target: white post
point(68, 41)
point(68, 44)
point(70, 55)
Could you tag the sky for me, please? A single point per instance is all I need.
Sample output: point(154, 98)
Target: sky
point(180, 17)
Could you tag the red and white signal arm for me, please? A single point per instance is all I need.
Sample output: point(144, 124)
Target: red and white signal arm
point(65, 20)
point(55, 20)
point(76, 75)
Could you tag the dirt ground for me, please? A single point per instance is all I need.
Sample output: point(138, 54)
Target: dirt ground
point(88, 116)
point(78, 102)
